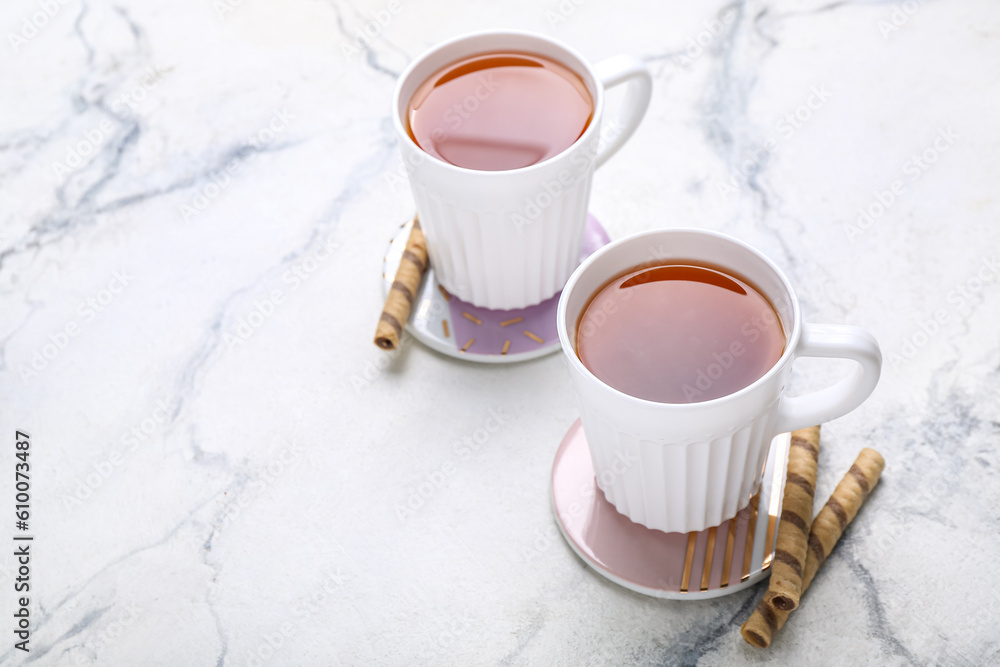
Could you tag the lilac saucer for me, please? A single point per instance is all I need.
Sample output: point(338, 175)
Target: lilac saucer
point(681, 566)
point(444, 323)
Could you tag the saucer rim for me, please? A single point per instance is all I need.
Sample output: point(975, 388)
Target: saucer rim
point(757, 575)
point(446, 346)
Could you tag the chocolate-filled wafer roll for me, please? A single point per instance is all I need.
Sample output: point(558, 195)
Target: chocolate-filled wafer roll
point(403, 292)
point(796, 520)
point(827, 528)
point(843, 506)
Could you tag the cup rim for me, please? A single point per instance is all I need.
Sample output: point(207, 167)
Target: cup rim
point(404, 136)
point(787, 354)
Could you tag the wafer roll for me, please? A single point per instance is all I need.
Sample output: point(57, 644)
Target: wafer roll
point(827, 528)
point(796, 520)
point(403, 292)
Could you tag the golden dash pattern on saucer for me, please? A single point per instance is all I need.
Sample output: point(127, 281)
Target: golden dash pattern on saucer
point(716, 561)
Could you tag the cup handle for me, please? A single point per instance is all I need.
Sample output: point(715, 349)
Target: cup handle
point(832, 341)
point(632, 72)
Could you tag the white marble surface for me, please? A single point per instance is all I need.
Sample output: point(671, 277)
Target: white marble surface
point(199, 497)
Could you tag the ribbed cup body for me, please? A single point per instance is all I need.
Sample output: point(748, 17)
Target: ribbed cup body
point(677, 486)
point(502, 240)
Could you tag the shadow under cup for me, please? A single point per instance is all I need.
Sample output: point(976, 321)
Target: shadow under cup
point(670, 466)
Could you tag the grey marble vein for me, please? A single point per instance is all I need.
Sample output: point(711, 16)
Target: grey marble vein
point(174, 523)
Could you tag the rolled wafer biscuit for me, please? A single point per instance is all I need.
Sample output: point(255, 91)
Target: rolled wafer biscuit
point(403, 292)
point(796, 520)
point(827, 527)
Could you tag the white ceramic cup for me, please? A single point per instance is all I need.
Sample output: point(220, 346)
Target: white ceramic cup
point(510, 239)
point(687, 467)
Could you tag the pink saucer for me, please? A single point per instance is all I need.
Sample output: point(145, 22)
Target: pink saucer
point(458, 329)
point(682, 566)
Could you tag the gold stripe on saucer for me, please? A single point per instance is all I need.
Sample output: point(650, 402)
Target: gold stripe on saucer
point(397, 244)
point(769, 541)
point(706, 569)
point(751, 529)
point(425, 306)
point(688, 560)
point(727, 561)
point(780, 453)
point(468, 344)
point(444, 325)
